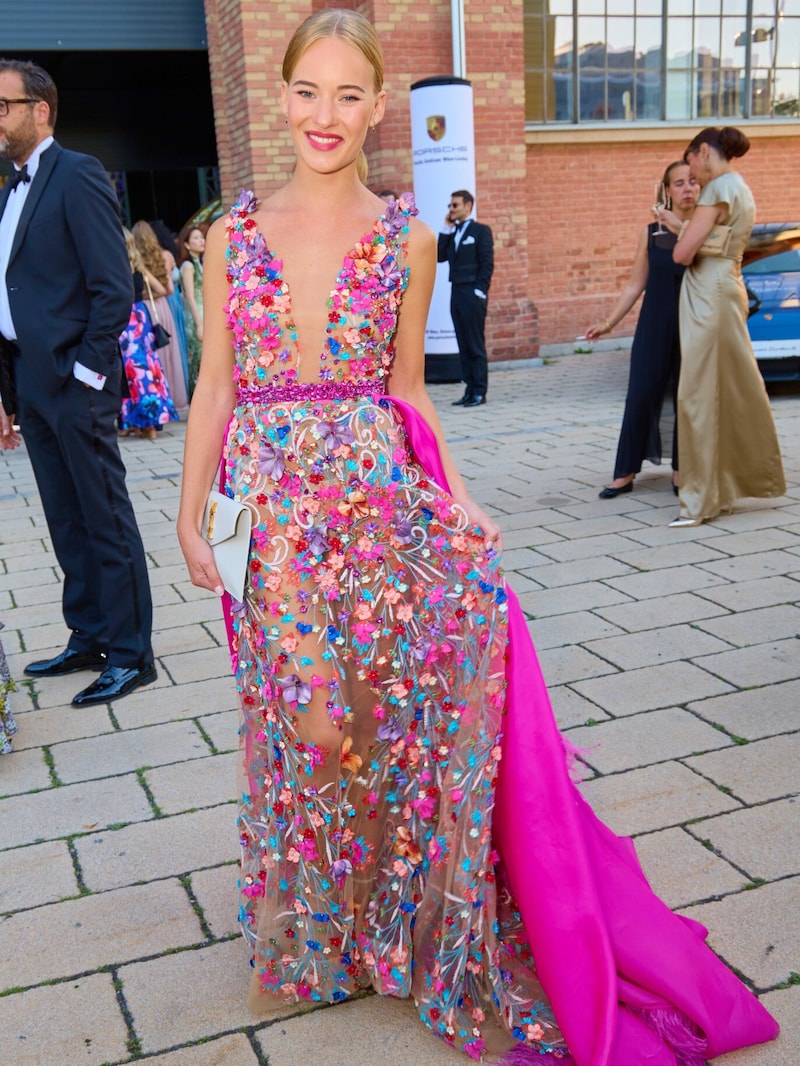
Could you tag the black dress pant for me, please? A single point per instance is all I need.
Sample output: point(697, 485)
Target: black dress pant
point(468, 312)
point(71, 439)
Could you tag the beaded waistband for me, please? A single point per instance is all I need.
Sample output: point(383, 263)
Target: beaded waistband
point(313, 390)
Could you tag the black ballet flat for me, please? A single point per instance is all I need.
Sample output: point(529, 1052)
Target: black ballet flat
point(610, 493)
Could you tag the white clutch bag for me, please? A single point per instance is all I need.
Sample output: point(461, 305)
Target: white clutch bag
point(226, 527)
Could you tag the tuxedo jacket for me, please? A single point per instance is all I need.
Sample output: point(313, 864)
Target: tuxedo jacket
point(472, 263)
point(69, 282)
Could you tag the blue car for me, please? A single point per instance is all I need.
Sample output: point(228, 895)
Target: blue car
point(771, 273)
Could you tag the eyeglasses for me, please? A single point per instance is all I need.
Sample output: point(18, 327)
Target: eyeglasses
point(449, 205)
point(4, 104)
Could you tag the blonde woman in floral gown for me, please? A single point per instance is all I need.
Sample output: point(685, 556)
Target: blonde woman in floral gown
point(407, 821)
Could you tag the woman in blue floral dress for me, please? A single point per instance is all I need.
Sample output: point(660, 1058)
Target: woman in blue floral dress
point(407, 820)
point(149, 403)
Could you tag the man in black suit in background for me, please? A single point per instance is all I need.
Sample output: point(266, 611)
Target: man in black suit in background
point(65, 296)
point(468, 247)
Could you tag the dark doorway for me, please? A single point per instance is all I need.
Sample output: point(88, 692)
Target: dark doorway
point(149, 119)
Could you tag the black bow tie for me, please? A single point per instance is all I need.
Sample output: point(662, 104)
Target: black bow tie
point(19, 177)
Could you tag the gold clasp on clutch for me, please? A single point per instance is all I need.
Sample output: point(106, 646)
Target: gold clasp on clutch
point(212, 514)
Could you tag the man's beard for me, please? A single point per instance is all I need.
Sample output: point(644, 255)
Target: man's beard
point(19, 145)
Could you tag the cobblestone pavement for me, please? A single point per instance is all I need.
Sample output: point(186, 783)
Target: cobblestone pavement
point(672, 656)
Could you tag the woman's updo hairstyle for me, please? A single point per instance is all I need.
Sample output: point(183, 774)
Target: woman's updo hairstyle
point(727, 140)
point(349, 26)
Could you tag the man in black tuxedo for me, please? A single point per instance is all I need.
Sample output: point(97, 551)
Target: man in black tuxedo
point(65, 296)
point(468, 247)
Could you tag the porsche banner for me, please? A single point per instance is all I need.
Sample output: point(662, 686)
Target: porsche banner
point(443, 149)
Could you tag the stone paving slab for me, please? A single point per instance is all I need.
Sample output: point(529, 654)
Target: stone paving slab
point(222, 729)
point(654, 797)
point(148, 707)
point(185, 786)
point(160, 848)
point(126, 750)
point(572, 709)
point(56, 724)
point(681, 870)
point(753, 567)
point(566, 600)
point(683, 607)
point(634, 650)
point(84, 934)
point(755, 627)
point(763, 841)
point(762, 770)
point(570, 663)
point(182, 997)
point(199, 665)
point(60, 812)
point(562, 629)
point(762, 540)
point(657, 686)
point(760, 664)
point(748, 932)
point(77, 1023)
point(234, 1050)
point(26, 772)
point(641, 739)
point(389, 1033)
point(40, 873)
point(215, 891)
point(665, 582)
point(756, 712)
point(749, 595)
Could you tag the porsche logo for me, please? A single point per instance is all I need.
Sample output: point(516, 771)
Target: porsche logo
point(436, 127)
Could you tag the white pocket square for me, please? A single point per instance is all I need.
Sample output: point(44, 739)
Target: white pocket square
point(468, 240)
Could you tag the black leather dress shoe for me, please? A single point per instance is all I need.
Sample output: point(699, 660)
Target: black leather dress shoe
point(115, 682)
point(475, 401)
point(610, 493)
point(68, 662)
point(462, 401)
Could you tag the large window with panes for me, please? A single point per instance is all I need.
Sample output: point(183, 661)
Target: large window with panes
point(650, 61)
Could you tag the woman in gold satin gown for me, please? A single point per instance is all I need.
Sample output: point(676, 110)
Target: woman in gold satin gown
point(727, 439)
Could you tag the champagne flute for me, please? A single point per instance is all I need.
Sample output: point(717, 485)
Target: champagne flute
point(660, 194)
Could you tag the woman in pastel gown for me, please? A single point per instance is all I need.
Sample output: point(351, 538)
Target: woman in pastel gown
point(726, 433)
point(407, 819)
point(191, 246)
point(656, 351)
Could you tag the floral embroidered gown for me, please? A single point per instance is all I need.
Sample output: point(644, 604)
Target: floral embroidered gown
point(370, 656)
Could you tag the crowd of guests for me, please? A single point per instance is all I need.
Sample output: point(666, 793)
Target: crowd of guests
point(162, 341)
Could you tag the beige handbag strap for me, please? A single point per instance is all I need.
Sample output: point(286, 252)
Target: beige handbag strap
point(152, 301)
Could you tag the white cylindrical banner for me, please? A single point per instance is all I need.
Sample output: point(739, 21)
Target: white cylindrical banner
point(443, 148)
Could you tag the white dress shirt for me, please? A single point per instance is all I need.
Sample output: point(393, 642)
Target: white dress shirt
point(8, 228)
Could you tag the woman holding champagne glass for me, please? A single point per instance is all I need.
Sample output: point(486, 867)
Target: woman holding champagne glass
point(655, 354)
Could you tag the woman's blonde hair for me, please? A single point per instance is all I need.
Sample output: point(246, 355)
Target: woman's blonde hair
point(134, 256)
point(349, 26)
point(150, 251)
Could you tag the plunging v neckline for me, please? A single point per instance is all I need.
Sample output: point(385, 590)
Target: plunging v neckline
point(286, 289)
